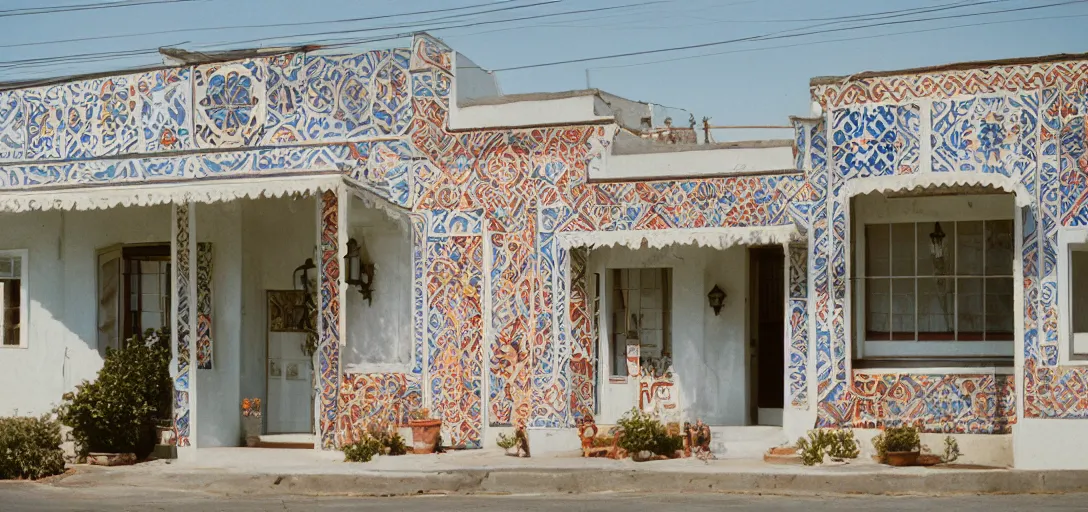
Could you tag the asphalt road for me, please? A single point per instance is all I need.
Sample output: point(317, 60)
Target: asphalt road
point(19, 497)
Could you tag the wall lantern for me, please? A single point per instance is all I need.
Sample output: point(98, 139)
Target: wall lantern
point(717, 299)
point(936, 240)
point(358, 273)
point(301, 275)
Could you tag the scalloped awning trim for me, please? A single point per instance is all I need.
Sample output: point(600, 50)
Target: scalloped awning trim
point(147, 195)
point(908, 182)
point(717, 238)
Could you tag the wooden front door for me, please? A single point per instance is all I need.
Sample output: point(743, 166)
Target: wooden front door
point(767, 292)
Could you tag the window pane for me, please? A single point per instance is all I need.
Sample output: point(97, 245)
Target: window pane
point(928, 263)
point(7, 267)
point(903, 308)
point(935, 308)
point(902, 249)
point(999, 248)
point(877, 249)
point(11, 297)
point(969, 248)
point(999, 316)
point(1078, 289)
point(969, 309)
point(878, 303)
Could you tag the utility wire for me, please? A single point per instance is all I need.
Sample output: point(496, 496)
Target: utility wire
point(349, 41)
point(269, 25)
point(29, 11)
point(772, 36)
point(437, 20)
point(826, 41)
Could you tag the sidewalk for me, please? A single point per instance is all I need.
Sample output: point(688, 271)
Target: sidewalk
point(307, 472)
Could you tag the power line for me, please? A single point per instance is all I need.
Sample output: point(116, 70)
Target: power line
point(29, 11)
point(772, 36)
point(349, 41)
point(826, 41)
point(438, 20)
point(268, 25)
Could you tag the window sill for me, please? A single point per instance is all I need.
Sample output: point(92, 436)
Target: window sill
point(938, 365)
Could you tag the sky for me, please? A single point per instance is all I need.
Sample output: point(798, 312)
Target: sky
point(753, 82)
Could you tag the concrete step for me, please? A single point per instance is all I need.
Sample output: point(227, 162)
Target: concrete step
point(744, 442)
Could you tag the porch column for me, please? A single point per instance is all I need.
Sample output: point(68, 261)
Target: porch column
point(797, 418)
point(332, 242)
point(183, 249)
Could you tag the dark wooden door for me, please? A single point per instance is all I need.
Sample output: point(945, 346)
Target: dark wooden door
point(768, 267)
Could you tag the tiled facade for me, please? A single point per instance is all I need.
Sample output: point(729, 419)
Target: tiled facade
point(502, 318)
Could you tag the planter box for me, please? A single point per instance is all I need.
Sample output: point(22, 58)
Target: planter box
point(251, 428)
point(903, 458)
point(111, 459)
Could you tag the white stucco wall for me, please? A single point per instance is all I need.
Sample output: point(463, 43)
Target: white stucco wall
point(701, 162)
point(379, 334)
point(219, 389)
point(708, 351)
point(277, 236)
point(62, 346)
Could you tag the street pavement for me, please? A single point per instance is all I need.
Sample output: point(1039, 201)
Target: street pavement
point(19, 497)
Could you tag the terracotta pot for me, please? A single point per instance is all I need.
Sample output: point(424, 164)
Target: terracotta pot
point(903, 458)
point(425, 435)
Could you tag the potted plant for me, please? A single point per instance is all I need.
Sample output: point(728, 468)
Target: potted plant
point(425, 431)
point(898, 446)
point(251, 421)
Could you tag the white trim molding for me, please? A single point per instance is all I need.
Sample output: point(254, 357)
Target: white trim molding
point(1072, 347)
point(717, 238)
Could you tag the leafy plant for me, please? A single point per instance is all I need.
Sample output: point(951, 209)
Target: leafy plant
point(642, 432)
point(117, 412)
point(951, 450)
point(836, 444)
point(30, 448)
point(897, 439)
point(506, 442)
point(362, 450)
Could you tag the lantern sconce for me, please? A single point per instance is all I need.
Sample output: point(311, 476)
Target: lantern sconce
point(936, 240)
point(301, 275)
point(716, 297)
point(358, 273)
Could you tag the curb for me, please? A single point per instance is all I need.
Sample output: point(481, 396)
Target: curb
point(592, 481)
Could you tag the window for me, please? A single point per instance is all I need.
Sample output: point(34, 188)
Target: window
point(133, 292)
point(1078, 289)
point(938, 289)
point(13, 311)
point(641, 314)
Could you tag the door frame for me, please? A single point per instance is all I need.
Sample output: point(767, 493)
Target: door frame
point(267, 341)
point(760, 415)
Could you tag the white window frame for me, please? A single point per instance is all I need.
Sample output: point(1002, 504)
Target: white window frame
point(875, 209)
point(1072, 346)
point(24, 298)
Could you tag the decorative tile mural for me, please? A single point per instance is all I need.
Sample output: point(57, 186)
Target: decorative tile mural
point(204, 261)
point(501, 315)
point(183, 316)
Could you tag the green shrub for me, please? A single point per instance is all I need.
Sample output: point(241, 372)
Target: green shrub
point(836, 444)
point(30, 448)
point(897, 439)
point(505, 442)
point(362, 450)
point(117, 412)
point(642, 432)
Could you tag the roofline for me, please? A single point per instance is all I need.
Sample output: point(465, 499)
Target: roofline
point(957, 66)
point(186, 58)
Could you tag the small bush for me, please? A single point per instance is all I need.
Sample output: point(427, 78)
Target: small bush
point(642, 432)
point(362, 450)
point(505, 442)
point(376, 440)
point(117, 412)
point(30, 448)
point(951, 450)
point(836, 444)
point(897, 439)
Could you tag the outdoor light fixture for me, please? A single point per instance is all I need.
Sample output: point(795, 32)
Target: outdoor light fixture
point(301, 275)
point(717, 299)
point(355, 270)
point(936, 240)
